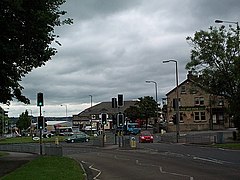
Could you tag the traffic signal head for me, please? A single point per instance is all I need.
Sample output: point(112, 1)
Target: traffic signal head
point(45, 122)
point(114, 102)
point(120, 100)
point(40, 99)
point(40, 122)
point(120, 120)
point(104, 118)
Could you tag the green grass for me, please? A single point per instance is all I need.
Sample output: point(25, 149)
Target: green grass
point(48, 167)
point(29, 140)
point(228, 146)
point(3, 153)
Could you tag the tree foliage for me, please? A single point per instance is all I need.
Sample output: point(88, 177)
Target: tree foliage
point(24, 121)
point(143, 109)
point(28, 31)
point(216, 57)
point(132, 112)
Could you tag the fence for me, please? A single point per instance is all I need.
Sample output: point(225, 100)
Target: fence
point(200, 138)
point(47, 149)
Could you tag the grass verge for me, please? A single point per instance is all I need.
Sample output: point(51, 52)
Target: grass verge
point(235, 146)
point(48, 167)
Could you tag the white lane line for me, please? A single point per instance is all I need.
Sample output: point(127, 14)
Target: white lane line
point(99, 172)
point(165, 172)
point(209, 160)
point(95, 169)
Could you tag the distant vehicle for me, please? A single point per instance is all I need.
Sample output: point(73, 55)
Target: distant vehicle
point(82, 137)
point(64, 131)
point(131, 128)
point(145, 136)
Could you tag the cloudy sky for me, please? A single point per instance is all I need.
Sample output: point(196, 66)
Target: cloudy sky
point(114, 46)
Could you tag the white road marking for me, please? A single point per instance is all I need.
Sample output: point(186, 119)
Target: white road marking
point(95, 169)
point(165, 172)
point(209, 160)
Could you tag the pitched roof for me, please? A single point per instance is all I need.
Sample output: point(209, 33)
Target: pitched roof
point(106, 107)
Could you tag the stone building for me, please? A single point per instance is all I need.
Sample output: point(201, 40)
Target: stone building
point(93, 114)
point(198, 109)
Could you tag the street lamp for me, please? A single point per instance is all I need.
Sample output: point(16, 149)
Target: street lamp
point(66, 110)
point(178, 114)
point(156, 97)
point(91, 114)
point(230, 22)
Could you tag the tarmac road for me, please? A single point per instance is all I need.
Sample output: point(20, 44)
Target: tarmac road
point(14, 160)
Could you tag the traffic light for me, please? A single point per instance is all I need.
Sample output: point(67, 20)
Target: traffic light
point(120, 120)
point(45, 123)
point(120, 100)
point(174, 119)
point(104, 118)
point(40, 99)
point(40, 122)
point(114, 102)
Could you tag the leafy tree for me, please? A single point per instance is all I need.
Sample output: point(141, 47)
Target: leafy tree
point(132, 112)
point(24, 121)
point(25, 41)
point(147, 108)
point(216, 57)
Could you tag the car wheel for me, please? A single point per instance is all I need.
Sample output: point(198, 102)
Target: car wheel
point(72, 141)
point(87, 140)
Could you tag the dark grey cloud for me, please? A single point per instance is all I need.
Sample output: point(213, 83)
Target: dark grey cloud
point(115, 46)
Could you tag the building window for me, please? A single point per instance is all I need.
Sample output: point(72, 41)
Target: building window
point(196, 116)
point(199, 116)
point(203, 117)
point(199, 101)
point(183, 89)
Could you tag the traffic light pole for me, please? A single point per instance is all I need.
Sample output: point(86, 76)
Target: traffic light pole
point(40, 132)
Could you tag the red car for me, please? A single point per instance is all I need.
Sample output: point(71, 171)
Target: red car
point(145, 136)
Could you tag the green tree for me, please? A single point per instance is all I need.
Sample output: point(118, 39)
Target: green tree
point(132, 112)
point(216, 57)
point(24, 121)
point(147, 108)
point(28, 31)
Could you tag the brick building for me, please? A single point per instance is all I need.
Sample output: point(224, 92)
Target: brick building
point(198, 109)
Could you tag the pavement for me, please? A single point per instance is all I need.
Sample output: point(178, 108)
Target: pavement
point(14, 160)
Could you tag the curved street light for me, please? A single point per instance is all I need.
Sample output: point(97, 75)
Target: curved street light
point(66, 110)
point(156, 91)
point(177, 107)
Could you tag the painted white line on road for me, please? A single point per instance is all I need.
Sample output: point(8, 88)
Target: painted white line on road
point(165, 172)
point(92, 168)
point(99, 172)
point(209, 160)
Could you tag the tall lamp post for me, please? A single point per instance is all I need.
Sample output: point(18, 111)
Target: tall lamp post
point(177, 101)
point(66, 110)
point(230, 22)
point(91, 114)
point(156, 100)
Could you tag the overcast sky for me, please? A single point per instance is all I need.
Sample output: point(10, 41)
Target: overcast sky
point(114, 46)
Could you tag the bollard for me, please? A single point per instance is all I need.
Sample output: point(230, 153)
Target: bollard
point(133, 143)
point(56, 141)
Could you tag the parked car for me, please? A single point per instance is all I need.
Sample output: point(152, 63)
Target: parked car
point(145, 136)
point(82, 137)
